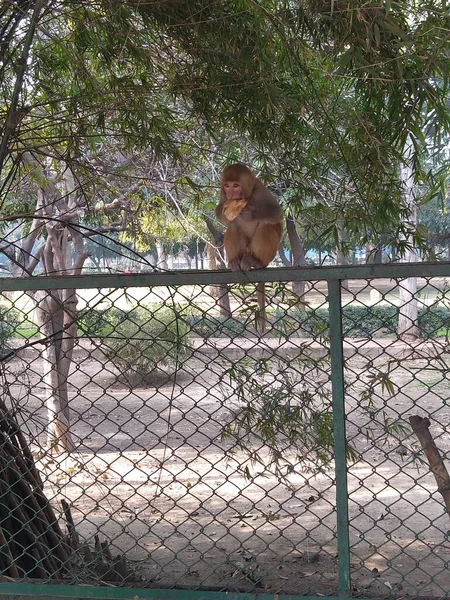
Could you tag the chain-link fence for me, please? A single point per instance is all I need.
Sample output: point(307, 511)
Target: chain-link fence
point(154, 438)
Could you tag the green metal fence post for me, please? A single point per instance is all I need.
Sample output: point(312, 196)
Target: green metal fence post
point(337, 383)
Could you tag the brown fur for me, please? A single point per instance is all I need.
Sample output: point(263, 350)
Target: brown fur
point(242, 174)
point(254, 233)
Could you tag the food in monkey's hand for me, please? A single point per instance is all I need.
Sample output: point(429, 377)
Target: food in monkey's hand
point(233, 208)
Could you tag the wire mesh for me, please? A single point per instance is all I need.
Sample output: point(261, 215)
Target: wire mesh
point(197, 452)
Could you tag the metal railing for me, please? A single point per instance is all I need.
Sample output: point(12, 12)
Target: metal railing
point(155, 444)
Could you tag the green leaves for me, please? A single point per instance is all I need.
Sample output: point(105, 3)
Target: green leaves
point(322, 101)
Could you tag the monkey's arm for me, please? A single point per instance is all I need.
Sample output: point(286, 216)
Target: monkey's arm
point(268, 211)
point(264, 214)
point(219, 214)
point(262, 206)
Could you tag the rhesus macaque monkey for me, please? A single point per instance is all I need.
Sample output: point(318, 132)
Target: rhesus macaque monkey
point(253, 219)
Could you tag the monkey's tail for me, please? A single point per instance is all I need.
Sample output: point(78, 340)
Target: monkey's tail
point(261, 318)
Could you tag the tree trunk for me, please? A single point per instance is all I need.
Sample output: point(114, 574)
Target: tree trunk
point(341, 255)
point(297, 253)
point(215, 261)
point(161, 262)
point(50, 317)
point(420, 426)
point(186, 256)
point(374, 254)
point(219, 292)
point(408, 319)
point(62, 253)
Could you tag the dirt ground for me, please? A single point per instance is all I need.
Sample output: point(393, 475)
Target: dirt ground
point(152, 476)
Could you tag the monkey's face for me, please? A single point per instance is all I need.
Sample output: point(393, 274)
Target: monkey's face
point(233, 190)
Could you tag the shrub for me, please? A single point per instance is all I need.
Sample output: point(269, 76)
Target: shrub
point(357, 321)
point(367, 321)
point(144, 340)
point(374, 321)
point(94, 322)
point(206, 326)
point(9, 323)
point(433, 321)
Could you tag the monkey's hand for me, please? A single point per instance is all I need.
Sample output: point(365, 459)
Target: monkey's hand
point(233, 208)
point(248, 214)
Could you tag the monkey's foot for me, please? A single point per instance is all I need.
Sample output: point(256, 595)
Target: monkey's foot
point(235, 264)
point(251, 262)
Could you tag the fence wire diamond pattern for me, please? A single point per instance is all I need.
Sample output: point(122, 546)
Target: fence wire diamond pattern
point(153, 437)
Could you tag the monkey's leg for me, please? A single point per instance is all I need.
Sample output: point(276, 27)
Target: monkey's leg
point(235, 244)
point(249, 261)
point(263, 246)
point(259, 253)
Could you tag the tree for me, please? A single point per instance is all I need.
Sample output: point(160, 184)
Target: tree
point(298, 252)
point(408, 321)
point(435, 217)
point(95, 96)
point(56, 243)
point(396, 55)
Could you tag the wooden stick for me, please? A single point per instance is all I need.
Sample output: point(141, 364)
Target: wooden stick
point(88, 556)
point(106, 551)
point(11, 567)
point(9, 424)
point(30, 535)
point(73, 535)
point(420, 427)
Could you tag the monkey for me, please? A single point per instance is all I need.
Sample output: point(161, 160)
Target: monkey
point(253, 219)
point(254, 224)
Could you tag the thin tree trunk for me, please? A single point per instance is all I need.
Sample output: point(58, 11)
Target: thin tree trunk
point(374, 254)
point(341, 255)
point(420, 427)
point(162, 256)
point(297, 252)
point(64, 254)
point(220, 291)
point(408, 319)
point(187, 258)
point(48, 312)
point(215, 261)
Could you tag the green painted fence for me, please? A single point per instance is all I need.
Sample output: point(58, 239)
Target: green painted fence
point(155, 444)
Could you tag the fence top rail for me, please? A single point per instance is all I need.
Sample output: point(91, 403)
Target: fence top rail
point(197, 277)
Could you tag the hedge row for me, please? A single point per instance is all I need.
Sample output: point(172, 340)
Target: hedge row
point(357, 321)
point(375, 321)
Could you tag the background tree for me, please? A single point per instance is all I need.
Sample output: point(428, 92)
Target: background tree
point(321, 97)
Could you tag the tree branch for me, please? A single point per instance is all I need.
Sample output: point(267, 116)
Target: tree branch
point(284, 259)
point(13, 115)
